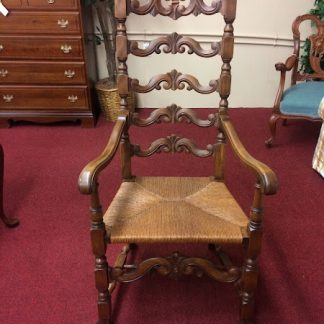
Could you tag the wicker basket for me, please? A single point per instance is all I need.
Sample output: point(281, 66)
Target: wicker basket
point(109, 99)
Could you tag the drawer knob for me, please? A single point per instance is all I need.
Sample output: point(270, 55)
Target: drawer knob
point(50, 1)
point(69, 73)
point(73, 98)
point(1, 47)
point(3, 73)
point(66, 49)
point(63, 23)
point(7, 98)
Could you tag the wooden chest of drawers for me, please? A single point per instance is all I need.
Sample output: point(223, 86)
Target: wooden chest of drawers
point(43, 73)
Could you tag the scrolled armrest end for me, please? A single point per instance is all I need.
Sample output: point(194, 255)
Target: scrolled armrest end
point(280, 66)
point(269, 182)
point(288, 65)
point(85, 182)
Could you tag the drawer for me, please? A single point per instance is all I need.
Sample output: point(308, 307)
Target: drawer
point(44, 98)
point(25, 72)
point(41, 4)
point(12, 47)
point(53, 4)
point(13, 4)
point(40, 23)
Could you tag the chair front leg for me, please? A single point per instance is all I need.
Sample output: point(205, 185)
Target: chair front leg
point(273, 127)
point(99, 247)
point(249, 277)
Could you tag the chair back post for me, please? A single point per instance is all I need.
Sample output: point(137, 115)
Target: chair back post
point(229, 13)
point(220, 156)
point(296, 39)
point(123, 82)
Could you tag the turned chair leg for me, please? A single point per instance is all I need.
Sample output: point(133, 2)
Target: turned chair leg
point(104, 295)
point(272, 126)
point(249, 277)
point(10, 222)
point(248, 287)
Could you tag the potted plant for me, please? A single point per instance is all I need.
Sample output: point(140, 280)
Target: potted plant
point(305, 66)
point(107, 88)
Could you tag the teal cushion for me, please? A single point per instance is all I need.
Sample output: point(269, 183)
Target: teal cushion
point(303, 99)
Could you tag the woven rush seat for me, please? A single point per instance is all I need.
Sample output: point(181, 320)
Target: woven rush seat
point(169, 209)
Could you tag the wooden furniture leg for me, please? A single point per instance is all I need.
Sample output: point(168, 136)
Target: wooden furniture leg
point(10, 222)
point(273, 125)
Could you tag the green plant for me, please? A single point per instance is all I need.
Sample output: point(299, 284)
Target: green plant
point(305, 66)
point(106, 33)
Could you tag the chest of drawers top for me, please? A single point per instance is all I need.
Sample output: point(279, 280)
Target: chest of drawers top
point(44, 76)
point(41, 4)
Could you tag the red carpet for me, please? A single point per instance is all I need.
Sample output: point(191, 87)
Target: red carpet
point(46, 263)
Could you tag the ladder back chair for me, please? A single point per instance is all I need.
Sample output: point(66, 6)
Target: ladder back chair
point(175, 209)
point(301, 100)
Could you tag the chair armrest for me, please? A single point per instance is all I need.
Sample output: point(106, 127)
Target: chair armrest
point(288, 65)
point(266, 176)
point(283, 68)
point(90, 172)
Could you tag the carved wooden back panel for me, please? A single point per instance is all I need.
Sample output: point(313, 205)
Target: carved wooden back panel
point(174, 43)
point(316, 54)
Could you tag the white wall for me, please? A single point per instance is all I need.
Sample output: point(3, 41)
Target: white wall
point(262, 38)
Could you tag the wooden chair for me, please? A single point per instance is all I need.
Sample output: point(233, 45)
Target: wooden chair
point(175, 209)
point(301, 100)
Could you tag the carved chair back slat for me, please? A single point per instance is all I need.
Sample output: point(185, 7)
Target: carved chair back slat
point(175, 9)
point(174, 43)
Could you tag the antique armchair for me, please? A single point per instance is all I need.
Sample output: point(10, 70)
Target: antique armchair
point(181, 210)
point(301, 100)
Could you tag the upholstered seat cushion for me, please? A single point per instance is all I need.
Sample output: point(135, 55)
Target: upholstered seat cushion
point(303, 99)
point(175, 209)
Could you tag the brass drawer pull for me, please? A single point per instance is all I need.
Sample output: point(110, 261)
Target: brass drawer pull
point(69, 73)
point(1, 47)
point(63, 23)
point(3, 73)
point(66, 49)
point(7, 98)
point(73, 98)
point(50, 1)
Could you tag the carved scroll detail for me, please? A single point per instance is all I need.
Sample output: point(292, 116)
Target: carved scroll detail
point(174, 80)
point(173, 114)
point(175, 9)
point(175, 266)
point(190, 116)
point(167, 115)
point(173, 144)
point(174, 43)
point(316, 52)
point(317, 47)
